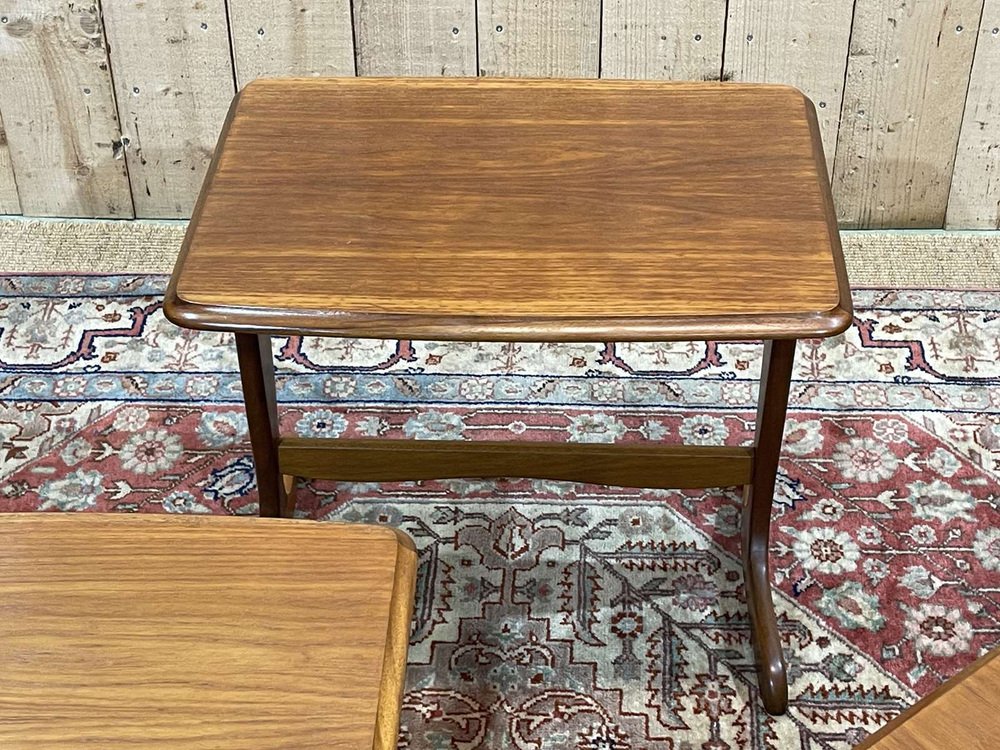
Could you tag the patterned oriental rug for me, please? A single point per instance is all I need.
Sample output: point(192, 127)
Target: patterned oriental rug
point(557, 615)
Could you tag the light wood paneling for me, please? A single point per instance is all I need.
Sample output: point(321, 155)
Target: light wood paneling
point(975, 187)
point(652, 39)
point(540, 39)
point(413, 38)
point(9, 203)
point(803, 44)
point(291, 37)
point(59, 112)
point(174, 82)
point(907, 76)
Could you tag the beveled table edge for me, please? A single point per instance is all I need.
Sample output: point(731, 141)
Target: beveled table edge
point(475, 328)
point(9, 521)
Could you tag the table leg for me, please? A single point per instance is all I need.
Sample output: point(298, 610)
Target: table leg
point(257, 374)
point(290, 483)
point(775, 381)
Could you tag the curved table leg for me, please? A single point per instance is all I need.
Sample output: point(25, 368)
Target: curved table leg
point(775, 380)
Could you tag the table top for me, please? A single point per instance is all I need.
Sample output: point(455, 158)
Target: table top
point(126, 631)
point(962, 714)
point(515, 210)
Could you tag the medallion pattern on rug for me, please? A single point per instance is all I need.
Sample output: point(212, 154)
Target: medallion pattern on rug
point(560, 615)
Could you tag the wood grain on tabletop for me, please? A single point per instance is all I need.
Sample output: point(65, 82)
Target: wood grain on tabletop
point(124, 631)
point(514, 209)
point(962, 714)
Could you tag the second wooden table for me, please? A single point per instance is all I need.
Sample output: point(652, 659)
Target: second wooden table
point(162, 632)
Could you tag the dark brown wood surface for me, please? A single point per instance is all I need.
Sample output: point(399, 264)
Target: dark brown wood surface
point(626, 465)
point(144, 631)
point(962, 714)
point(515, 209)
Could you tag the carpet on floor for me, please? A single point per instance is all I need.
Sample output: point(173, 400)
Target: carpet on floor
point(561, 615)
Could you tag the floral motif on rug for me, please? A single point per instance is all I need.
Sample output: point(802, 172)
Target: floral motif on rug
point(560, 615)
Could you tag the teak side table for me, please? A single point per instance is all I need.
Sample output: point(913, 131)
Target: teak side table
point(521, 210)
point(147, 631)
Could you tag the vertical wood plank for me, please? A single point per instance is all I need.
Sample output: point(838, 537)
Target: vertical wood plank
point(59, 111)
point(540, 39)
point(907, 75)
point(648, 39)
point(801, 43)
point(413, 38)
point(174, 82)
point(291, 37)
point(974, 202)
point(9, 203)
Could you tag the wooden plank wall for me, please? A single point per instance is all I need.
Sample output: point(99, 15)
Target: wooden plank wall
point(58, 110)
point(9, 202)
point(543, 39)
point(112, 109)
point(907, 74)
point(174, 81)
point(975, 186)
point(414, 38)
point(680, 40)
point(800, 42)
point(301, 38)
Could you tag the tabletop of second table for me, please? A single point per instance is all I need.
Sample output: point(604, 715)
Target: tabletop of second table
point(146, 631)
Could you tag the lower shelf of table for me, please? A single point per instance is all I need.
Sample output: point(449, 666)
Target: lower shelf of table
point(627, 465)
